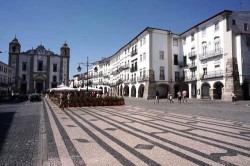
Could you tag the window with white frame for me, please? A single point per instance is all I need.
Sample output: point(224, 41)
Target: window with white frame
point(204, 48)
point(144, 56)
point(141, 42)
point(216, 44)
point(175, 42)
point(203, 32)
point(144, 73)
point(144, 40)
point(192, 36)
point(141, 57)
point(161, 53)
point(184, 40)
point(216, 26)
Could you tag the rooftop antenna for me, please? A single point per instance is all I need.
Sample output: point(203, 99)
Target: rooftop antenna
point(240, 5)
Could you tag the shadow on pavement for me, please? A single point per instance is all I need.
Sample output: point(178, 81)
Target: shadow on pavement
point(6, 119)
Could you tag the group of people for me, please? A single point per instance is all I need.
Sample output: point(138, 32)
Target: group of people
point(182, 96)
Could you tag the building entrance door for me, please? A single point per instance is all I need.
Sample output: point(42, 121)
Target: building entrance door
point(39, 87)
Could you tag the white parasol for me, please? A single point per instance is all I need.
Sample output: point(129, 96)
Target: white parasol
point(63, 88)
point(90, 89)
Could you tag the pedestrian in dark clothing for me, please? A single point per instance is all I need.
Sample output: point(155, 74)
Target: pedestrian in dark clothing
point(179, 96)
point(157, 96)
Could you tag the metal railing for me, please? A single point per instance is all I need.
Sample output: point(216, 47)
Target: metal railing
point(141, 79)
point(212, 74)
point(211, 54)
point(192, 54)
point(192, 65)
point(190, 78)
point(134, 52)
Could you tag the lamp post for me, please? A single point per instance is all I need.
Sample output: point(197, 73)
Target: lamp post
point(86, 64)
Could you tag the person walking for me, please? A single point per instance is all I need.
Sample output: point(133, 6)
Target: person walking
point(61, 98)
point(157, 96)
point(170, 97)
point(234, 98)
point(179, 96)
point(184, 96)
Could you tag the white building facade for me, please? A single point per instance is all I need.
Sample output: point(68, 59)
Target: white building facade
point(209, 60)
point(6, 79)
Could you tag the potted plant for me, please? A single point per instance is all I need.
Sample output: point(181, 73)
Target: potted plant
point(65, 103)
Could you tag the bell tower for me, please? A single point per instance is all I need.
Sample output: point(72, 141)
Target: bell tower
point(14, 51)
point(64, 64)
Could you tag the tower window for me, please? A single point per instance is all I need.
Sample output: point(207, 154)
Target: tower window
point(14, 49)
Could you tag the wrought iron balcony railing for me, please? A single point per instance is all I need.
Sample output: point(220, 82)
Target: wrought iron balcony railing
point(211, 54)
point(142, 79)
point(190, 78)
point(192, 54)
point(211, 74)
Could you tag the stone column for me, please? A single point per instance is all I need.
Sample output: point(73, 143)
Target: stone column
point(190, 90)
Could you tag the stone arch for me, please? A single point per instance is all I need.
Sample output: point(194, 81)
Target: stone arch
point(218, 89)
point(205, 90)
point(133, 91)
point(141, 91)
point(126, 90)
point(163, 90)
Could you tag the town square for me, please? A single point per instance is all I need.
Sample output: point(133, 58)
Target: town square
point(109, 83)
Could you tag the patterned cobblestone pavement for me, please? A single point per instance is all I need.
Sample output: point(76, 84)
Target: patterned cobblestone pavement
point(130, 135)
point(20, 134)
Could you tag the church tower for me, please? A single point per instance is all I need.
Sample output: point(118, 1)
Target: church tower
point(14, 51)
point(64, 64)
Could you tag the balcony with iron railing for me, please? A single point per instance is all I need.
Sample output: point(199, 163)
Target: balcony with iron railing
point(190, 78)
point(211, 54)
point(126, 81)
point(134, 52)
point(182, 64)
point(105, 83)
point(133, 80)
point(192, 66)
point(162, 77)
point(120, 81)
point(178, 79)
point(123, 67)
point(106, 76)
point(133, 69)
point(212, 74)
point(115, 72)
point(192, 54)
point(142, 79)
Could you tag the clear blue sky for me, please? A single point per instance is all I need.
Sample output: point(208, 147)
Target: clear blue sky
point(98, 28)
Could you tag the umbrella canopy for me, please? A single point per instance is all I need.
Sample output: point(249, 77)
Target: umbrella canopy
point(90, 89)
point(63, 88)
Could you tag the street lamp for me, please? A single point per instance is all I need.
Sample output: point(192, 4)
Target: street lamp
point(86, 64)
